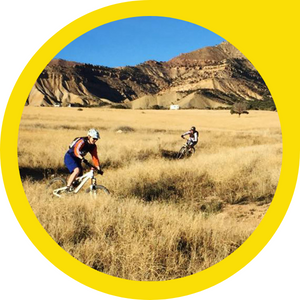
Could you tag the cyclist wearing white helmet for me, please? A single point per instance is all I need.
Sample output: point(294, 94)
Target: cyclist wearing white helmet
point(194, 134)
point(77, 150)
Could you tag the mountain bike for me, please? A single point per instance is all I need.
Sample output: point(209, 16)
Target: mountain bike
point(186, 150)
point(58, 185)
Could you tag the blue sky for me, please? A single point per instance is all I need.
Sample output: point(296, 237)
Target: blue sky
point(135, 40)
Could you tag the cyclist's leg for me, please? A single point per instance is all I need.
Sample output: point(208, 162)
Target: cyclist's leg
point(74, 166)
point(76, 172)
point(191, 145)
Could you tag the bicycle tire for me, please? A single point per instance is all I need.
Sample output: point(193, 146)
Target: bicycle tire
point(56, 183)
point(181, 152)
point(97, 190)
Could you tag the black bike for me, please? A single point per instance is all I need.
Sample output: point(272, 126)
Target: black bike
point(186, 151)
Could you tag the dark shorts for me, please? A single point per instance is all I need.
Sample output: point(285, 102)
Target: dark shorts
point(72, 162)
point(192, 144)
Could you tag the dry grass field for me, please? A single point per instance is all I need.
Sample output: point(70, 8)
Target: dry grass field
point(165, 218)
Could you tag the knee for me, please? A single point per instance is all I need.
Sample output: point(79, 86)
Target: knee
point(76, 171)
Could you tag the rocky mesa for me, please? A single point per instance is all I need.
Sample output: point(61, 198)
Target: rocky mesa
point(210, 77)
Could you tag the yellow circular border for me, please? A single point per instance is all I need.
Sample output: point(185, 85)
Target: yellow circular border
point(216, 20)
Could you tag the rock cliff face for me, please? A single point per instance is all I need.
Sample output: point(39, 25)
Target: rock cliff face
point(208, 77)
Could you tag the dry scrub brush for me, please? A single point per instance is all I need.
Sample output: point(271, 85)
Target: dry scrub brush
point(166, 218)
point(135, 240)
point(248, 174)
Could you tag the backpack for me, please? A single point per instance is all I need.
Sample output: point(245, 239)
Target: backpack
point(74, 142)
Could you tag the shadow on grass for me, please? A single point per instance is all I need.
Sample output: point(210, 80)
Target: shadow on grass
point(169, 154)
point(39, 174)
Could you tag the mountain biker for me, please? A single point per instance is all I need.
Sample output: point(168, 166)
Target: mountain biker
point(193, 140)
point(75, 155)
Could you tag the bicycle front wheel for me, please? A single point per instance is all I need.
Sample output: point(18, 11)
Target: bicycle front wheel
point(97, 190)
point(181, 152)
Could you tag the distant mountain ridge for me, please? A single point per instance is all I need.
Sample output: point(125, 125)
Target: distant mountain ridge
point(210, 77)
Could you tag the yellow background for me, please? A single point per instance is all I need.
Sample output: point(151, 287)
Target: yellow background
point(265, 34)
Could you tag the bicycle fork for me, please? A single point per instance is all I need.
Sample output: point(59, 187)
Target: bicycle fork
point(93, 184)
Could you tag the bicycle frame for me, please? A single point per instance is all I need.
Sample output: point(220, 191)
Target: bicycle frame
point(186, 150)
point(82, 179)
point(186, 145)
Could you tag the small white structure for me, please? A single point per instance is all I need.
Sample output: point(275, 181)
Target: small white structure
point(57, 105)
point(174, 107)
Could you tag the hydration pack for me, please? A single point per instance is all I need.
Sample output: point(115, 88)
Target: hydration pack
point(74, 142)
point(84, 149)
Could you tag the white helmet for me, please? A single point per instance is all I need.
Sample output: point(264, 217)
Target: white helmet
point(93, 133)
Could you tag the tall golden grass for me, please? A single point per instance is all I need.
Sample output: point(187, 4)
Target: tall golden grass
point(165, 218)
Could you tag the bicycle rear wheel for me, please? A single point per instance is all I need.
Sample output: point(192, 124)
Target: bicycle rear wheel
point(190, 152)
point(97, 191)
point(55, 184)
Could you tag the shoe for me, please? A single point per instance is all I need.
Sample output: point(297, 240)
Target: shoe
point(75, 184)
point(69, 190)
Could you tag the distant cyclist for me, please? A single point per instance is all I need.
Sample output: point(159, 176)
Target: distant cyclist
point(193, 137)
point(75, 155)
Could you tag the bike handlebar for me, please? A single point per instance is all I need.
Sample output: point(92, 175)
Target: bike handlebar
point(92, 166)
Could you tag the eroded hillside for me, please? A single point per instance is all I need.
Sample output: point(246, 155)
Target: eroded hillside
point(209, 77)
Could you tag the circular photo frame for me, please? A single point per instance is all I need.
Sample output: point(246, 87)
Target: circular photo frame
point(77, 270)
